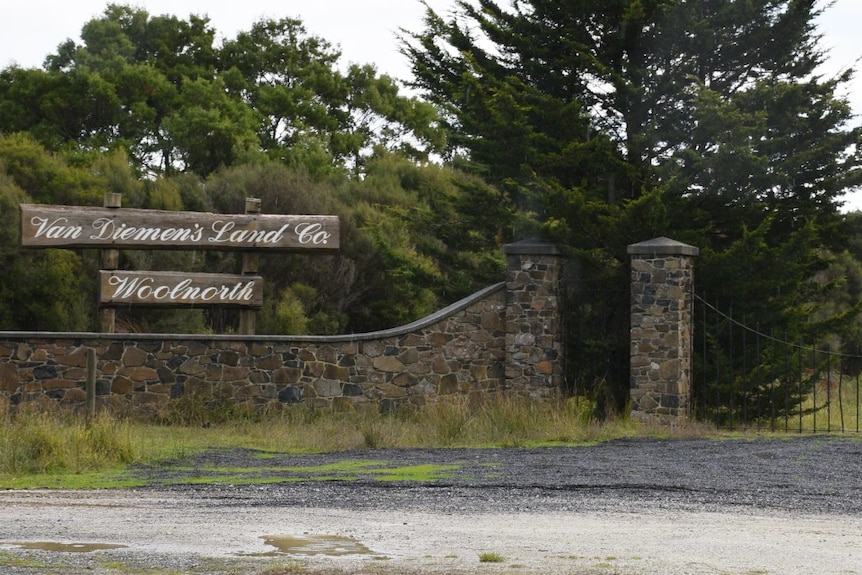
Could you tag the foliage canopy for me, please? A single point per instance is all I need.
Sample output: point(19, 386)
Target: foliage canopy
point(612, 122)
point(161, 88)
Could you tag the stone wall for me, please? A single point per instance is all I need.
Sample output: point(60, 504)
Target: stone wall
point(501, 338)
point(460, 350)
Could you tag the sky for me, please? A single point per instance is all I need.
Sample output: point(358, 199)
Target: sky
point(364, 30)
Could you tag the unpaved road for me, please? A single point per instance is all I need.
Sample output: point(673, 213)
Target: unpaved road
point(780, 506)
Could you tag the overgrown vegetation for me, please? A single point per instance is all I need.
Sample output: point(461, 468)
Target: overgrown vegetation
point(43, 444)
point(34, 442)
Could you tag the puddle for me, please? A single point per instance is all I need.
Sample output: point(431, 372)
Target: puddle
point(312, 545)
point(67, 547)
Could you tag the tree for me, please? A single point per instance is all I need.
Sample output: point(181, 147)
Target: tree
point(611, 122)
point(411, 241)
point(291, 79)
point(160, 88)
point(669, 84)
point(40, 289)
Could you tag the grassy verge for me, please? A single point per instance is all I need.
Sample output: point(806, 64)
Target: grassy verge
point(52, 448)
point(835, 406)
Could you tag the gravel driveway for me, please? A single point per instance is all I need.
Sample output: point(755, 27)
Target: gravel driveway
point(777, 506)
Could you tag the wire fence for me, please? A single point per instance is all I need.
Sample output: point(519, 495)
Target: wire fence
point(753, 377)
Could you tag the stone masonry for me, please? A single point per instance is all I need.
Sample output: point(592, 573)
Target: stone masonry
point(661, 317)
point(458, 351)
point(534, 343)
point(501, 338)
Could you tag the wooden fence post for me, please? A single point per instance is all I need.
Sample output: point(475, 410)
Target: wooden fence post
point(90, 384)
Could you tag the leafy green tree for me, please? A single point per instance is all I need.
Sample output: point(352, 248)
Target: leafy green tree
point(11, 196)
point(140, 65)
point(47, 177)
point(160, 88)
point(425, 239)
point(211, 130)
point(40, 290)
point(411, 241)
point(627, 96)
point(292, 80)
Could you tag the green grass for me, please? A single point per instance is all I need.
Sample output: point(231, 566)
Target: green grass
point(422, 473)
point(46, 443)
point(340, 471)
point(116, 478)
point(56, 449)
point(489, 557)
point(842, 413)
point(12, 560)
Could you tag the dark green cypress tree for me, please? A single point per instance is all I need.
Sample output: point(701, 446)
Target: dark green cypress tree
point(613, 121)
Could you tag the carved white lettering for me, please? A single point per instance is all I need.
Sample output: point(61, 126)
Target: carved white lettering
point(126, 287)
point(72, 226)
point(146, 288)
point(183, 291)
point(221, 228)
point(244, 236)
point(56, 228)
point(225, 232)
point(161, 292)
point(210, 293)
point(103, 227)
point(106, 229)
point(312, 233)
point(275, 236)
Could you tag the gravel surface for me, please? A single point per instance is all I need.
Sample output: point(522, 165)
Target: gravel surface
point(779, 506)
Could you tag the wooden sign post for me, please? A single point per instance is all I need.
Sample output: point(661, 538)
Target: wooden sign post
point(111, 228)
point(110, 261)
point(250, 264)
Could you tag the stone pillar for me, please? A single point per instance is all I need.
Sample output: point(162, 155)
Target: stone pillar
point(534, 340)
point(661, 319)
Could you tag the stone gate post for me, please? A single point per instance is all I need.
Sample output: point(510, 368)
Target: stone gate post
point(534, 340)
point(661, 316)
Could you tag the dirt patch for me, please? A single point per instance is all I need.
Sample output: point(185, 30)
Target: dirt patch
point(629, 507)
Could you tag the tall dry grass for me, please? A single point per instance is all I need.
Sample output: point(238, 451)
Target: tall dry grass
point(834, 407)
point(50, 441)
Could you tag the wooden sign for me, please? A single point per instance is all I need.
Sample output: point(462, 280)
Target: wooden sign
point(169, 289)
point(44, 226)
